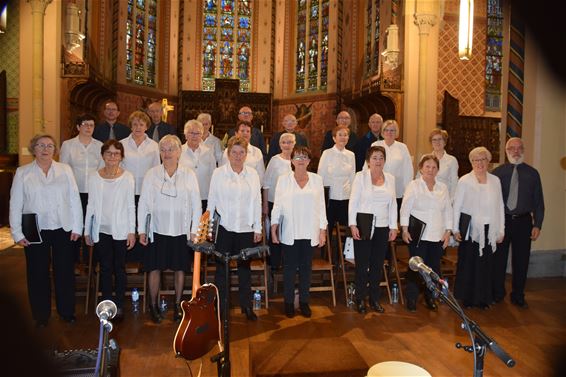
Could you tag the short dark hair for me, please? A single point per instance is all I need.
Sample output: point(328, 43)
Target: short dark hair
point(373, 149)
point(427, 157)
point(299, 149)
point(112, 142)
point(85, 116)
point(243, 122)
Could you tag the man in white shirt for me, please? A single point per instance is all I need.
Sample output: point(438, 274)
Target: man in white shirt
point(254, 158)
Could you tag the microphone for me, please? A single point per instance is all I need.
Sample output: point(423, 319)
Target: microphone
point(106, 310)
point(253, 251)
point(416, 264)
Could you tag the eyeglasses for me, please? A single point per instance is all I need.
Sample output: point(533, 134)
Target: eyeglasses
point(194, 133)
point(87, 124)
point(245, 113)
point(389, 130)
point(165, 150)
point(113, 154)
point(169, 188)
point(479, 160)
point(45, 146)
point(301, 158)
point(437, 140)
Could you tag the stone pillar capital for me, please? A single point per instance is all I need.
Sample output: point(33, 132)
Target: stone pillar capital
point(39, 6)
point(425, 22)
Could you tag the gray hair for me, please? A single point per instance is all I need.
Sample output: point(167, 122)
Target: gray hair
point(479, 151)
point(193, 123)
point(170, 139)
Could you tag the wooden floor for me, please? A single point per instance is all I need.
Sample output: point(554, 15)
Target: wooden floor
point(535, 337)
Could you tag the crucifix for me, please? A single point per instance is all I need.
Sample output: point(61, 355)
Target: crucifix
point(166, 108)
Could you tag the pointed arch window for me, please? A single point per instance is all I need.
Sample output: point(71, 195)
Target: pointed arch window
point(141, 42)
point(493, 56)
point(311, 66)
point(226, 42)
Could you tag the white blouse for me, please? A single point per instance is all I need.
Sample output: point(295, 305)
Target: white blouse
point(237, 198)
point(377, 200)
point(83, 159)
point(431, 207)
point(173, 202)
point(202, 163)
point(448, 173)
point(337, 168)
point(254, 159)
point(138, 160)
point(54, 198)
point(469, 193)
point(300, 212)
point(399, 163)
point(277, 166)
point(215, 145)
point(122, 217)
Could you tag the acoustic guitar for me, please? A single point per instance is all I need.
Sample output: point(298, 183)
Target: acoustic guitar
point(199, 330)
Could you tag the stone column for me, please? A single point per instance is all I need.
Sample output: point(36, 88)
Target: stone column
point(38, 12)
point(424, 22)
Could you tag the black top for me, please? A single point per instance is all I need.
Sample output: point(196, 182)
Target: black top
point(329, 142)
point(162, 130)
point(274, 148)
point(102, 131)
point(256, 139)
point(530, 199)
point(361, 147)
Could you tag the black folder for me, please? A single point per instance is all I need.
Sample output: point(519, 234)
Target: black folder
point(416, 229)
point(214, 226)
point(147, 225)
point(326, 196)
point(364, 222)
point(464, 224)
point(30, 228)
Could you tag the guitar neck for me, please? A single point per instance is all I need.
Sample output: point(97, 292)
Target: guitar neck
point(196, 274)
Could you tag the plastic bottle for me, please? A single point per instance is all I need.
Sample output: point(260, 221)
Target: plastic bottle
point(163, 304)
point(135, 301)
point(257, 300)
point(395, 293)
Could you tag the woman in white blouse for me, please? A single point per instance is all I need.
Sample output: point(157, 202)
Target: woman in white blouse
point(141, 152)
point(168, 216)
point(337, 167)
point(448, 172)
point(278, 165)
point(373, 192)
point(254, 157)
point(235, 193)
point(82, 154)
point(427, 200)
point(399, 162)
point(299, 211)
point(196, 156)
point(111, 221)
point(47, 188)
point(478, 195)
point(208, 138)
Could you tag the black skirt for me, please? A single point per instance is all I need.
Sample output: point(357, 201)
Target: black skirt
point(168, 253)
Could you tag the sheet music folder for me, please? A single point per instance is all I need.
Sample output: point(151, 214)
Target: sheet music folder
point(364, 222)
point(464, 225)
point(30, 228)
point(416, 229)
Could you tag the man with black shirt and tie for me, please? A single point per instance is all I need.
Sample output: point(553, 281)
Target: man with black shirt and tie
point(110, 128)
point(524, 212)
point(289, 126)
point(343, 119)
point(158, 127)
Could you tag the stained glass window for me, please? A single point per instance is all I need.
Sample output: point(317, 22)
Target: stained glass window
point(493, 56)
point(141, 42)
point(226, 42)
point(312, 45)
point(371, 53)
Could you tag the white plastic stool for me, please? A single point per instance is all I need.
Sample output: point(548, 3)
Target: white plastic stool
point(397, 368)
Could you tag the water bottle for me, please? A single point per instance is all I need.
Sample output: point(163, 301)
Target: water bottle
point(135, 301)
point(257, 300)
point(163, 304)
point(395, 293)
point(351, 295)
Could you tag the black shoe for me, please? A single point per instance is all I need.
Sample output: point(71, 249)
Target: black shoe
point(305, 309)
point(41, 323)
point(177, 313)
point(69, 319)
point(374, 305)
point(250, 315)
point(289, 310)
point(361, 306)
point(154, 314)
point(520, 303)
point(411, 305)
point(431, 304)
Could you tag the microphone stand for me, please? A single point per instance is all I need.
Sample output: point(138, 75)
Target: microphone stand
point(481, 341)
point(222, 359)
point(103, 348)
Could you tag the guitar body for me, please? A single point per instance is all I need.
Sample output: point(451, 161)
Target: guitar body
point(198, 331)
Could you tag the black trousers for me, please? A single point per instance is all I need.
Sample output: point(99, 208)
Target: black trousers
point(112, 254)
point(80, 244)
point(337, 211)
point(297, 257)
point(274, 248)
point(232, 243)
point(518, 237)
point(369, 256)
point(431, 252)
point(137, 253)
point(58, 247)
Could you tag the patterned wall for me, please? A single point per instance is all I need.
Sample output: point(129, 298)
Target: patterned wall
point(465, 80)
point(9, 61)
